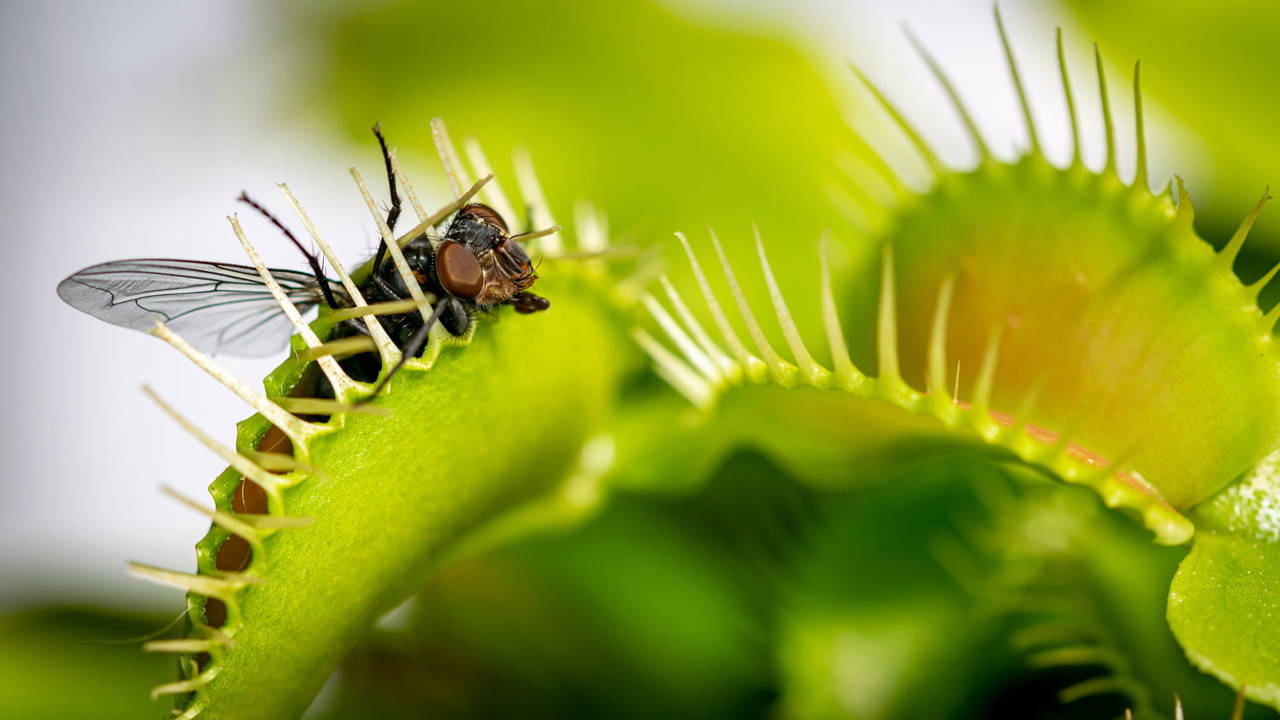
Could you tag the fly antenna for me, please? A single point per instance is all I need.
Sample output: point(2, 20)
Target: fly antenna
point(313, 258)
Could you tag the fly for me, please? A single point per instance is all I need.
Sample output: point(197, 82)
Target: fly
point(222, 307)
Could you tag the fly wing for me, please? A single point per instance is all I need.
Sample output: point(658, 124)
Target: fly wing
point(217, 307)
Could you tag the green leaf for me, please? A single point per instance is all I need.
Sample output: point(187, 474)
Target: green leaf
point(1224, 607)
point(1224, 604)
point(1248, 507)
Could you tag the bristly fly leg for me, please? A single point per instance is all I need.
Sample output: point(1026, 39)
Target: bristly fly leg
point(313, 258)
point(394, 213)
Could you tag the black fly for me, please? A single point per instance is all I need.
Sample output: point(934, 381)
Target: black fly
point(222, 307)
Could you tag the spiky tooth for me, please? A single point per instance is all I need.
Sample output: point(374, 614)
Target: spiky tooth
point(878, 175)
point(1021, 441)
point(872, 192)
point(591, 226)
point(397, 255)
point(391, 307)
point(225, 520)
point(847, 376)
point(986, 426)
point(854, 212)
point(1071, 103)
point(180, 645)
point(940, 401)
point(387, 349)
point(275, 522)
point(344, 347)
point(1270, 319)
point(251, 527)
point(275, 462)
point(1140, 179)
point(1169, 526)
point(678, 374)
point(971, 127)
point(243, 465)
point(453, 170)
point(248, 526)
point(754, 367)
point(955, 387)
point(1071, 655)
point(341, 383)
point(1227, 256)
point(1059, 632)
point(728, 369)
point(418, 210)
point(531, 190)
point(427, 224)
point(931, 158)
point(1255, 289)
point(1186, 213)
point(185, 686)
point(783, 372)
point(297, 430)
point(1108, 127)
point(1017, 84)
point(1059, 453)
point(221, 586)
point(814, 373)
point(1094, 686)
point(544, 232)
point(889, 378)
point(493, 195)
point(691, 351)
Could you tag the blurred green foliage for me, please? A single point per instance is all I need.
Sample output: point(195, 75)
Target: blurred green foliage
point(64, 662)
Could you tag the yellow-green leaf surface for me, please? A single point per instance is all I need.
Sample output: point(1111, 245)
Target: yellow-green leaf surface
point(1224, 607)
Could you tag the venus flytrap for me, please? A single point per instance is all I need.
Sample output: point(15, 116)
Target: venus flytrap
point(331, 513)
point(1061, 317)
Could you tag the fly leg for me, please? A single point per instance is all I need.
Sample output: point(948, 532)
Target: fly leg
point(419, 339)
point(394, 213)
point(313, 258)
point(526, 303)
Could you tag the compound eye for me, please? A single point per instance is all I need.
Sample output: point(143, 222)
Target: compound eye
point(459, 272)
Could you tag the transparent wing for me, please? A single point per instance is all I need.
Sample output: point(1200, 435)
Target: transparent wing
point(217, 307)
